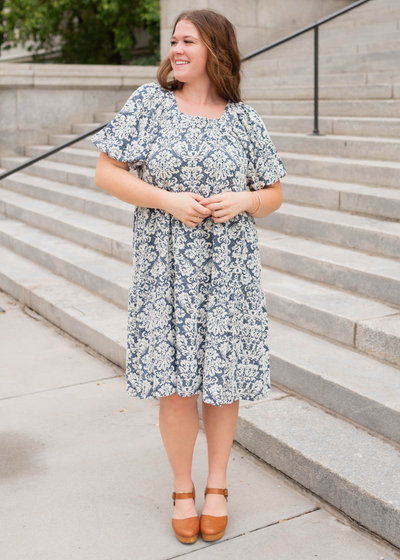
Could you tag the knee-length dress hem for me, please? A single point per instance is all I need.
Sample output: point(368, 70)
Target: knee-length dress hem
point(266, 393)
point(197, 316)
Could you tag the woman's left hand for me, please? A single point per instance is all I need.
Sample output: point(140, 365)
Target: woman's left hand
point(225, 205)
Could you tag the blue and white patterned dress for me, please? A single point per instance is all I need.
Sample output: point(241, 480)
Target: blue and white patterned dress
point(197, 317)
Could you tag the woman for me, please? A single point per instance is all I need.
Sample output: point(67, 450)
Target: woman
point(197, 318)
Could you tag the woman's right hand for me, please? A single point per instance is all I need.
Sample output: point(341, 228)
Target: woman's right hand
point(186, 208)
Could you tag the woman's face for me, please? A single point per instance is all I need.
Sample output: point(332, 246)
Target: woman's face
point(188, 47)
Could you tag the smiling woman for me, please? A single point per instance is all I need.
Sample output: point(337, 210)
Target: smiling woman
point(197, 321)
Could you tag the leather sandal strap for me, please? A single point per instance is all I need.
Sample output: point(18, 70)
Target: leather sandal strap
point(223, 491)
point(184, 495)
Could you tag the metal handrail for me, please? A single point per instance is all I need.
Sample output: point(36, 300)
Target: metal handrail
point(268, 47)
point(314, 26)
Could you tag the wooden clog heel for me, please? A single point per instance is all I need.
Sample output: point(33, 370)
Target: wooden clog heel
point(186, 530)
point(213, 527)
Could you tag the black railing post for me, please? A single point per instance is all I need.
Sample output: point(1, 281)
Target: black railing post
point(316, 131)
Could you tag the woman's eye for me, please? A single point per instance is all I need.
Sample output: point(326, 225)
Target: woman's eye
point(173, 42)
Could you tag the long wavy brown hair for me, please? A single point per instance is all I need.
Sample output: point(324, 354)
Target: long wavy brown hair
point(223, 60)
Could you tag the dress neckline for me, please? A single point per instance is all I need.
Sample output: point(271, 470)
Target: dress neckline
point(220, 119)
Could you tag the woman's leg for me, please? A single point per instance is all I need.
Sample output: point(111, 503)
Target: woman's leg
point(219, 425)
point(179, 427)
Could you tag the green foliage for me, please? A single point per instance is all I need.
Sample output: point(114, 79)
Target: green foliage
point(86, 31)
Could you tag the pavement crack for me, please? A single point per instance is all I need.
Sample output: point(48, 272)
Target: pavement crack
point(220, 542)
point(57, 388)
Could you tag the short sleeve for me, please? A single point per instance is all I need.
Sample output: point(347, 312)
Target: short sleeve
point(265, 167)
point(126, 136)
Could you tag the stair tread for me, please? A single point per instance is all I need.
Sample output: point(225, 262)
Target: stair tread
point(346, 119)
point(68, 149)
point(329, 184)
point(376, 381)
point(100, 196)
point(66, 215)
point(339, 160)
point(350, 258)
point(82, 257)
point(106, 319)
point(322, 297)
point(336, 137)
point(362, 459)
point(340, 218)
point(52, 164)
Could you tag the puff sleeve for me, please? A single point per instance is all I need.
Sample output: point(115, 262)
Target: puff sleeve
point(126, 136)
point(264, 166)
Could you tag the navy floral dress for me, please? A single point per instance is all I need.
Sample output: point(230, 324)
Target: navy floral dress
point(197, 317)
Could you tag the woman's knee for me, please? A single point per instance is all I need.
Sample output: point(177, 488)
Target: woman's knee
point(179, 403)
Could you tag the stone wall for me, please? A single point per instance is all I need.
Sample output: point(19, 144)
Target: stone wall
point(40, 99)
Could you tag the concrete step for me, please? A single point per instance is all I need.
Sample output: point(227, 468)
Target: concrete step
point(307, 79)
point(103, 275)
point(336, 195)
point(347, 126)
point(351, 469)
point(72, 154)
point(96, 233)
point(360, 323)
point(338, 43)
point(342, 44)
point(339, 145)
point(369, 9)
point(346, 108)
point(268, 63)
point(367, 275)
point(370, 172)
point(77, 175)
point(294, 92)
point(96, 203)
point(273, 424)
point(77, 311)
point(340, 228)
point(341, 380)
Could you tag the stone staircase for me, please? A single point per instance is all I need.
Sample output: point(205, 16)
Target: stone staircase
point(330, 256)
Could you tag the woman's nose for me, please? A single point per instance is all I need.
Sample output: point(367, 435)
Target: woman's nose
point(178, 48)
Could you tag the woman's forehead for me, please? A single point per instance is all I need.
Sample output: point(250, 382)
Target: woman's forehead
point(187, 28)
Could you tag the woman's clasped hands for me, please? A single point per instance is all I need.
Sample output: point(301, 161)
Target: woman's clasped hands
point(192, 208)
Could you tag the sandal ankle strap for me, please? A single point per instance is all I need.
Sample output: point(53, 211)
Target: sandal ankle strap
point(223, 491)
point(184, 495)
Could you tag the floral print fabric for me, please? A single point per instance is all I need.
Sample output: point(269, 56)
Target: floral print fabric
point(197, 317)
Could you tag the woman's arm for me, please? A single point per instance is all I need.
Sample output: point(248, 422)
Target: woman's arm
point(113, 176)
point(271, 199)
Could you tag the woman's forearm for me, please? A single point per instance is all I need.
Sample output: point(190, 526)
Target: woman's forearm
point(271, 200)
point(124, 185)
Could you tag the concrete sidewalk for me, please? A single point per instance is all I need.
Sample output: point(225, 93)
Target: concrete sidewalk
point(84, 474)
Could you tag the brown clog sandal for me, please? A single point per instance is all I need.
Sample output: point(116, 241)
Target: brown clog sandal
point(213, 527)
point(186, 530)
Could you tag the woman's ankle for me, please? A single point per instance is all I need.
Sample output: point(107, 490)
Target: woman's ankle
point(217, 483)
point(183, 485)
